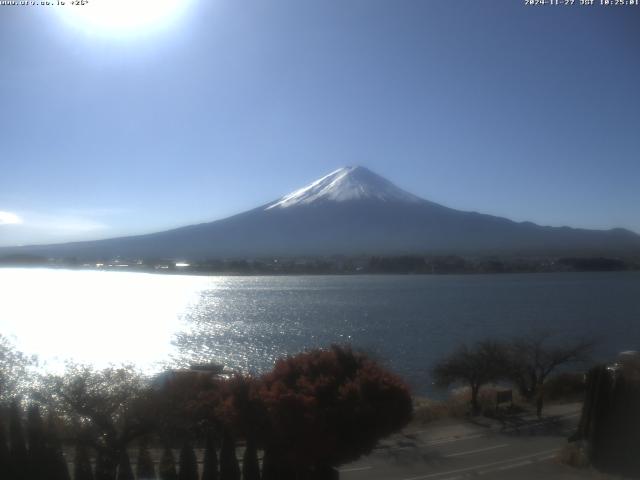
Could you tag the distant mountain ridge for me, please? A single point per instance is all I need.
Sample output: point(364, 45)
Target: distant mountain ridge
point(351, 211)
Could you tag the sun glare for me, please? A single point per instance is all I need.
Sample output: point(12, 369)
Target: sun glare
point(94, 316)
point(117, 17)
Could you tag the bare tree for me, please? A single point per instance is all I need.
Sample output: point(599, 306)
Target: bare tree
point(535, 356)
point(106, 408)
point(476, 366)
point(15, 371)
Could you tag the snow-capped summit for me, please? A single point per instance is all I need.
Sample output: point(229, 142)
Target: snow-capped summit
point(347, 183)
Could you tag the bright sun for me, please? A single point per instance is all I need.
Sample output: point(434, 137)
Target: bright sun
point(123, 16)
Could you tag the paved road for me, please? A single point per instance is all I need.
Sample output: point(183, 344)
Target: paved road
point(453, 450)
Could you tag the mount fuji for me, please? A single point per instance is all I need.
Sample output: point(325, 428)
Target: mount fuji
point(350, 211)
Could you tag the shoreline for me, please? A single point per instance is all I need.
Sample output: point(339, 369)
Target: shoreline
point(224, 273)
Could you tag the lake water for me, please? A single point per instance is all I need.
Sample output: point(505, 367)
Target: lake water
point(408, 322)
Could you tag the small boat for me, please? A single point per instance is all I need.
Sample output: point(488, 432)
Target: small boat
point(213, 368)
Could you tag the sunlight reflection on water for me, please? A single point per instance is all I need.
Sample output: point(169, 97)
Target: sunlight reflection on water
point(93, 316)
point(246, 323)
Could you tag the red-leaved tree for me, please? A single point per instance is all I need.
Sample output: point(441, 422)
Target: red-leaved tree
point(329, 407)
point(314, 411)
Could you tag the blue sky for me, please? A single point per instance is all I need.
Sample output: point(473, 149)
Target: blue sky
point(526, 112)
